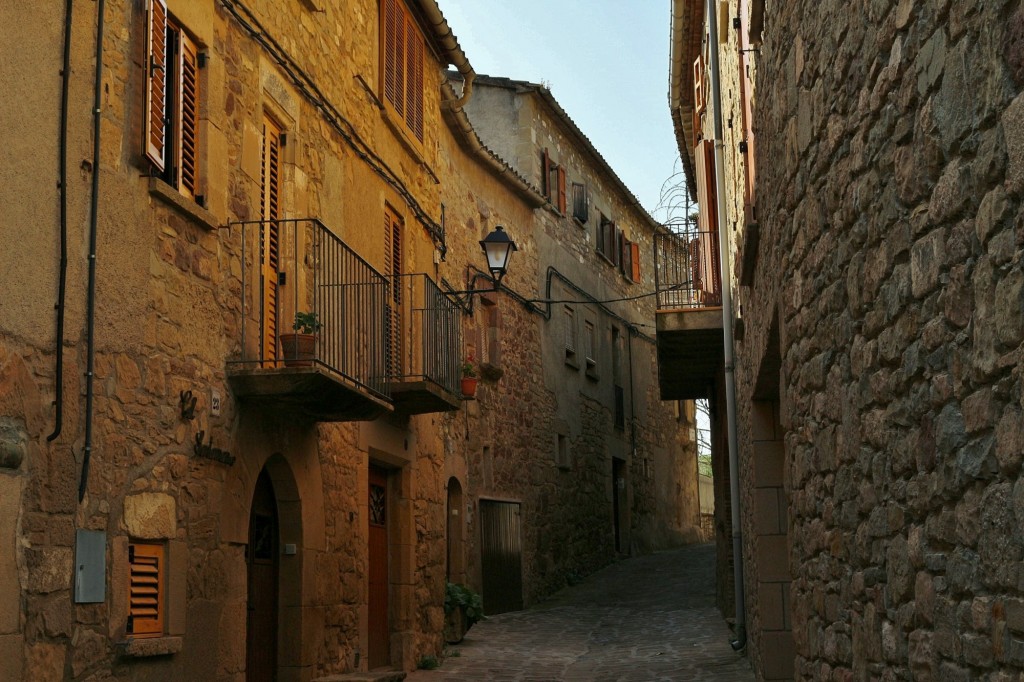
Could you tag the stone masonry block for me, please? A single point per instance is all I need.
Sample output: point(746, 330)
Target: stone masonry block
point(766, 511)
point(773, 558)
point(150, 516)
point(769, 458)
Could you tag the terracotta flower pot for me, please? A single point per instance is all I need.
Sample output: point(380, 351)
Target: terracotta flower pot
point(298, 350)
point(469, 386)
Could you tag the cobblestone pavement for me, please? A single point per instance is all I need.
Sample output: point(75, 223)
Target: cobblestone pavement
point(645, 619)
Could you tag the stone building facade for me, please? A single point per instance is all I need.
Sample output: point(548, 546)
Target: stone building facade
point(878, 395)
point(179, 497)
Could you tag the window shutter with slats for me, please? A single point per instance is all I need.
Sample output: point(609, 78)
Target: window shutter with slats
point(636, 261)
point(146, 590)
point(156, 71)
point(414, 79)
point(561, 189)
point(188, 116)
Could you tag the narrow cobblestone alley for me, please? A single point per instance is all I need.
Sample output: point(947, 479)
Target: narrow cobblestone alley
point(644, 619)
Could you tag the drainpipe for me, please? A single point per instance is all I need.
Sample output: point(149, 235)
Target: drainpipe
point(458, 59)
point(90, 326)
point(65, 79)
point(730, 380)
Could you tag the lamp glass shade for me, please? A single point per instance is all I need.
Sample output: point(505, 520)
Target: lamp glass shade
point(498, 247)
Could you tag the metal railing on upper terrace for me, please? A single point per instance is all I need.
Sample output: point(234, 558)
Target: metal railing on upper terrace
point(687, 270)
point(427, 336)
point(300, 266)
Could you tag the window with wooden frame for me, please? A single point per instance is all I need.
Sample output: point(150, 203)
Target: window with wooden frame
point(402, 53)
point(580, 202)
point(171, 125)
point(569, 332)
point(606, 231)
point(147, 580)
point(553, 181)
point(589, 343)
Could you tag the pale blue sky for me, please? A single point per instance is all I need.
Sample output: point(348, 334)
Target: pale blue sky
point(606, 62)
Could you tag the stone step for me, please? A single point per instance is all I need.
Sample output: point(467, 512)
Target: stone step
point(374, 676)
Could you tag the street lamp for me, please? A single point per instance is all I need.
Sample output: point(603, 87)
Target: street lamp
point(498, 248)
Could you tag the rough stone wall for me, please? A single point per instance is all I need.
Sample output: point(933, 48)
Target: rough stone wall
point(167, 320)
point(567, 510)
point(890, 179)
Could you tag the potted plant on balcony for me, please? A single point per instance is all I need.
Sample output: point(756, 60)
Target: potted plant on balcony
point(299, 349)
point(469, 379)
point(462, 608)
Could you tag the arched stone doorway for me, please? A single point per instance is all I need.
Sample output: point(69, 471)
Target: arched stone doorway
point(456, 571)
point(274, 572)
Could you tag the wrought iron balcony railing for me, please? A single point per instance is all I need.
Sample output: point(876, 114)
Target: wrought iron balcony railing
point(687, 268)
point(300, 266)
point(424, 334)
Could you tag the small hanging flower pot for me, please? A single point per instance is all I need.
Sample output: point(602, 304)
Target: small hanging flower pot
point(469, 379)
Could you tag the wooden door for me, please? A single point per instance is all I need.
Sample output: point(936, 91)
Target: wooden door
point(262, 562)
point(501, 556)
point(379, 582)
point(270, 239)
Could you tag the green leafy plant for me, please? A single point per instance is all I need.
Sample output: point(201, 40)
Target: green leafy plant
point(463, 597)
point(428, 663)
point(307, 323)
point(468, 368)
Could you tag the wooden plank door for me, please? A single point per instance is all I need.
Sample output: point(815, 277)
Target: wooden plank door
point(501, 556)
point(379, 582)
point(263, 569)
point(270, 238)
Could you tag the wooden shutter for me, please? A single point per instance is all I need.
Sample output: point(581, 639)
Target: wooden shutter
point(545, 180)
point(270, 200)
point(561, 189)
point(188, 115)
point(570, 331)
point(146, 591)
point(698, 84)
point(414, 78)
point(393, 272)
point(707, 198)
point(156, 72)
point(635, 259)
point(394, 55)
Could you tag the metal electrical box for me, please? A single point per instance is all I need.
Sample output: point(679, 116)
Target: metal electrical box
point(90, 566)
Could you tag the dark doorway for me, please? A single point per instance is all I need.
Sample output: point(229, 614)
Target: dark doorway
point(618, 499)
point(456, 572)
point(501, 556)
point(379, 623)
point(262, 561)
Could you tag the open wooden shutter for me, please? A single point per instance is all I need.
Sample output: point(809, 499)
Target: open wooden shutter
point(561, 189)
point(270, 199)
point(156, 74)
point(698, 85)
point(414, 78)
point(393, 272)
point(635, 259)
point(146, 594)
point(188, 115)
point(394, 54)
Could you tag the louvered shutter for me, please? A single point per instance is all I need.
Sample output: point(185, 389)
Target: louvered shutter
point(561, 189)
point(570, 331)
point(394, 55)
point(414, 79)
point(545, 180)
point(635, 248)
point(156, 71)
point(270, 199)
point(698, 84)
point(393, 272)
point(146, 591)
point(188, 116)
